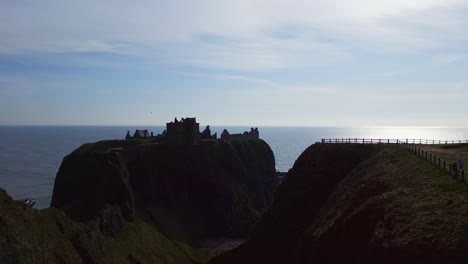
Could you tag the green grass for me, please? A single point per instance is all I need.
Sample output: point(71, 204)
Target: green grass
point(449, 153)
point(28, 235)
point(144, 243)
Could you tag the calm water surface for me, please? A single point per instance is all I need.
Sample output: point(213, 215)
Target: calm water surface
point(31, 155)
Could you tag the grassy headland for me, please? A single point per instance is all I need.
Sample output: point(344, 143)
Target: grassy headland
point(361, 204)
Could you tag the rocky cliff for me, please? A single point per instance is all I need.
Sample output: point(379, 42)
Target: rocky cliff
point(216, 188)
point(361, 204)
point(134, 201)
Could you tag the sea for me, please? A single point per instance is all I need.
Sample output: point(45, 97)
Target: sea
point(30, 156)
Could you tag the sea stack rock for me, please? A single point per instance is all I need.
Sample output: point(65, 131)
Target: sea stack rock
point(213, 187)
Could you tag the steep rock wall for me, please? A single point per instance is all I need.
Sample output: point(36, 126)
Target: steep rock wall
point(217, 188)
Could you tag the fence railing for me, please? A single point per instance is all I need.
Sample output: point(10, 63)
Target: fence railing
point(391, 141)
point(412, 145)
point(449, 166)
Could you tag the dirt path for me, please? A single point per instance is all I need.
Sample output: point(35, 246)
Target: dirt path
point(449, 154)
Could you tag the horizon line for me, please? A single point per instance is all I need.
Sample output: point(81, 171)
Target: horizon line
point(279, 126)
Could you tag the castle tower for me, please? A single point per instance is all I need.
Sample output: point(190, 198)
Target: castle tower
point(184, 132)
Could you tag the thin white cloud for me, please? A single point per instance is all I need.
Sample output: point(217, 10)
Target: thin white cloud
point(231, 77)
point(450, 58)
point(169, 31)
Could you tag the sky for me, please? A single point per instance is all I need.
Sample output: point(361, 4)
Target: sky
point(243, 62)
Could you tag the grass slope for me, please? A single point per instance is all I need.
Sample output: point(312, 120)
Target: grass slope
point(398, 206)
point(361, 204)
point(28, 235)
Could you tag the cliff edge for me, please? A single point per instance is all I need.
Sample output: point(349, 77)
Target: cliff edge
point(361, 204)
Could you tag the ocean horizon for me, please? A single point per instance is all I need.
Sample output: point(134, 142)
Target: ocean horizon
point(30, 155)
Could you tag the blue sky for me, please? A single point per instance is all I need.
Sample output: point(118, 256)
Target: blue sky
point(245, 62)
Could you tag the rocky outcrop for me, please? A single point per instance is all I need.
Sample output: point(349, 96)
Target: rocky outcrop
point(86, 181)
point(28, 235)
point(361, 204)
point(216, 188)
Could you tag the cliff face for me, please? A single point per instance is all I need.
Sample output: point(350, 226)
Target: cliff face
point(217, 188)
point(361, 204)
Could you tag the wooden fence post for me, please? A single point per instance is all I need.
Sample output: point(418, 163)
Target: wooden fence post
point(439, 162)
point(445, 167)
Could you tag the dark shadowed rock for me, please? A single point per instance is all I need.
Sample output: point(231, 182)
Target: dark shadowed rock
point(87, 180)
point(215, 188)
point(111, 221)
